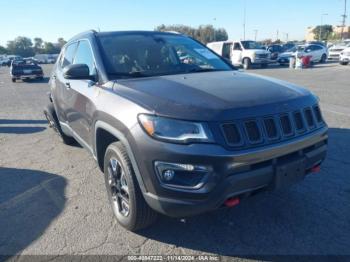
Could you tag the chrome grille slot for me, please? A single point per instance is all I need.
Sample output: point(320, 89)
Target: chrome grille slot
point(286, 125)
point(271, 129)
point(309, 118)
point(298, 120)
point(232, 134)
point(253, 131)
point(318, 114)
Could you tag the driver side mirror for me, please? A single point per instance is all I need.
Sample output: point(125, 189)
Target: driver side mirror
point(77, 72)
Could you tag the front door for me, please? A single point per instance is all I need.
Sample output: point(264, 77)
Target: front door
point(82, 93)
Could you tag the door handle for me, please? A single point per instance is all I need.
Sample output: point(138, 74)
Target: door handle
point(67, 85)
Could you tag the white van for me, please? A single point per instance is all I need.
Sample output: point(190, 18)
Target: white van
point(246, 53)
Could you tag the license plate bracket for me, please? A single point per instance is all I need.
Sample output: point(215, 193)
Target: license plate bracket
point(289, 173)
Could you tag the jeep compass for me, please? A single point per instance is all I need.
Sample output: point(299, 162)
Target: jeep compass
point(175, 128)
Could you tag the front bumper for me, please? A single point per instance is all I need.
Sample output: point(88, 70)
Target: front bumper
point(234, 174)
point(344, 59)
point(259, 61)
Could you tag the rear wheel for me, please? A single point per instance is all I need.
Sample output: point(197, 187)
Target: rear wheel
point(124, 193)
point(52, 119)
point(264, 65)
point(13, 80)
point(343, 63)
point(247, 64)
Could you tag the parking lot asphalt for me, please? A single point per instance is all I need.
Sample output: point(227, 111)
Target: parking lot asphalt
point(53, 200)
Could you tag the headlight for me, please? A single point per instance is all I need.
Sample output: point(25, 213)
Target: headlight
point(176, 131)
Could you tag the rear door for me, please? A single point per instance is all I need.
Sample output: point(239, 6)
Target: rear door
point(82, 92)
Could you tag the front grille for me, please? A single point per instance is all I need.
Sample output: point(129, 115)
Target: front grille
point(253, 131)
point(273, 128)
point(261, 55)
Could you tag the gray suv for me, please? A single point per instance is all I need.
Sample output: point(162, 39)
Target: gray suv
point(175, 128)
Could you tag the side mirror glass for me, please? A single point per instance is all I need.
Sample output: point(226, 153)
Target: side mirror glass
point(77, 72)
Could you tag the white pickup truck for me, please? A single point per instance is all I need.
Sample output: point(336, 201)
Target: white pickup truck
point(246, 53)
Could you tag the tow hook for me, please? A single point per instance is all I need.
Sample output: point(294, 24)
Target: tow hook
point(231, 202)
point(316, 169)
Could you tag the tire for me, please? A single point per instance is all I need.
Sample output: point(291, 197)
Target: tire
point(323, 59)
point(264, 65)
point(128, 206)
point(344, 63)
point(247, 64)
point(13, 80)
point(52, 119)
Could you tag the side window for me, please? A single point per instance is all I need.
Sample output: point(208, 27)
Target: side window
point(68, 55)
point(237, 46)
point(84, 56)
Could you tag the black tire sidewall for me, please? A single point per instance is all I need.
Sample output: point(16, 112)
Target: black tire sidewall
point(114, 151)
point(246, 63)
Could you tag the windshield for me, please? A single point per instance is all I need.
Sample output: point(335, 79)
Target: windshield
point(251, 45)
point(142, 54)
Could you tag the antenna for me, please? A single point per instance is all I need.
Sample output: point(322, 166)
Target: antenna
point(344, 16)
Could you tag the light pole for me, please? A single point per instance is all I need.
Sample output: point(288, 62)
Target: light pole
point(255, 34)
point(244, 17)
point(320, 36)
point(214, 29)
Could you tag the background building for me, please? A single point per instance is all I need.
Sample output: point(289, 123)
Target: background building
point(310, 36)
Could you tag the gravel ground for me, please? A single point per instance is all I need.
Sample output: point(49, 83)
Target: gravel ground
point(53, 201)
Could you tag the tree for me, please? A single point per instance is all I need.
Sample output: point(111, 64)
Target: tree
point(38, 44)
point(22, 46)
point(61, 42)
point(325, 30)
point(50, 48)
point(3, 50)
point(204, 33)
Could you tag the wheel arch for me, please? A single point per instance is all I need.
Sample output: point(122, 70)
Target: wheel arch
point(105, 134)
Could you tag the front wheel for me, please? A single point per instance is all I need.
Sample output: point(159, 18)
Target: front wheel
point(247, 63)
point(264, 65)
point(323, 58)
point(124, 193)
point(13, 80)
point(343, 63)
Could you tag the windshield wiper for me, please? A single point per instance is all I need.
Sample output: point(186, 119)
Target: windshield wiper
point(130, 74)
point(200, 70)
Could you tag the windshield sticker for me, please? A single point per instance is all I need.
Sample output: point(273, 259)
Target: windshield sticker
point(206, 53)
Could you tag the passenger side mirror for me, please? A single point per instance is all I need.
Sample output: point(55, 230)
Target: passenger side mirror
point(77, 72)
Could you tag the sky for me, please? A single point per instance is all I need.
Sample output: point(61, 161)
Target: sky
point(51, 19)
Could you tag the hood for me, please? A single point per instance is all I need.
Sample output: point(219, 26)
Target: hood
point(337, 47)
point(213, 96)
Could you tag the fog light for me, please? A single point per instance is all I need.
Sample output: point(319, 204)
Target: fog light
point(168, 174)
point(182, 175)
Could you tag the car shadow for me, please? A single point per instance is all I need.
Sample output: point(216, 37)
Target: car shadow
point(44, 80)
point(311, 217)
point(29, 201)
point(18, 126)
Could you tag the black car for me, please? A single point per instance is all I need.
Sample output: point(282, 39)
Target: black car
point(177, 136)
point(275, 51)
point(25, 70)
